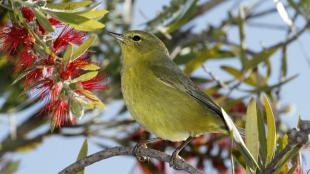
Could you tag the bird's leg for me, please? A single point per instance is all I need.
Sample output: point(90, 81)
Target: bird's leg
point(175, 154)
point(143, 144)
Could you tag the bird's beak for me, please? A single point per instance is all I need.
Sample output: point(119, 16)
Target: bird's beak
point(117, 36)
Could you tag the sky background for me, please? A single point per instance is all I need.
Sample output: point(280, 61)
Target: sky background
point(56, 152)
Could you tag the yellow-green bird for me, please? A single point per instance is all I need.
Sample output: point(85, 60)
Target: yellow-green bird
point(160, 96)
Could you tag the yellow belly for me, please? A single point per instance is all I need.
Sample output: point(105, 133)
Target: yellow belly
point(168, 113)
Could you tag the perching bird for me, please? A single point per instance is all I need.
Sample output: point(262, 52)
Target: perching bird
point(160, 97)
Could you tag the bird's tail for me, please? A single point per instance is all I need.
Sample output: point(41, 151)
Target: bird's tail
point(234, 134)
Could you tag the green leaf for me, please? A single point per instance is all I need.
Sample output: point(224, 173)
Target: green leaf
point(251, 80)
point(262, 137)
point(93, 99)
point(234, 134)
point(78, 22)
point(292, 169)
point(68, 53)
point(284, 61)
point(192, 55)
point(91, 67)
point(204, 55)
point(76, 107)
point(260, 57)
point(184, 15)
point(85, 77)
point(173, 7)
point(83, 48)
point(21, 76)
point(271, 126)
point(95, 14)
point(82, 154)
point(43, 21)
point(68, 5)
point(287, 157)
point(251, 129)
point(267, 88)
point(242, 47)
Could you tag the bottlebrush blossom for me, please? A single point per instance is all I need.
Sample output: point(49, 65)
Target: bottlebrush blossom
point(66, 36)
point(28, 14)
point(61, 114)
point(73, 68)
point(11, 37)
point(26, 59)
point(63, 85)
point(96, 84)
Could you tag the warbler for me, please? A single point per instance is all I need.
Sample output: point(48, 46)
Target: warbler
point(160, 96)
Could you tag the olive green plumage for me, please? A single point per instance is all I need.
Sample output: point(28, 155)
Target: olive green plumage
point(159, 96)
point(165, 101)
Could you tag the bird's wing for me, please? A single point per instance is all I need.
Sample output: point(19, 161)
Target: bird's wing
point(170, 74)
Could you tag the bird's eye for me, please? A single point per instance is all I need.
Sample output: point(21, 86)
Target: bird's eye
point(136, 38)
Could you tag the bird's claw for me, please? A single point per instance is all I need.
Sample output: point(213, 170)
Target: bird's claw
point(136, 151)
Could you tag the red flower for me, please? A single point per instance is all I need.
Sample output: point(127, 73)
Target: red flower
point(14, 36)
point(239, 170)
point(54, 21)
point(61, 113)
point(33, 76)
point(55, 91)
point(26, 59)
point(43, 88)
point(73, 68)
point(66, 36)
point(95, 84)
point(40, 30)
point(28, 13)
point(239, 108)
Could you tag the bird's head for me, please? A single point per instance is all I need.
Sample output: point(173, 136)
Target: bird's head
point(139, 45)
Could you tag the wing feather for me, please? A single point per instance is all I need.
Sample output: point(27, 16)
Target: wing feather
point(171, 75)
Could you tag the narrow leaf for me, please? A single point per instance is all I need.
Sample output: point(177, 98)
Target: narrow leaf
point(68, 5)
point(251, 129)
point(284, 61)
point(283, 13)
point(289, 155)
point(83, 153)
point(83, 48)
point(43, 21)
point(68, 53)
point(95, 14)
point(76, 107)
point(203, 55)
point(271, 126)
point(85, 77)
point(262, 137)
point(267, 88)
point(251, 80)
point(260, 57)
point(91, 67)
point(78, 22)
point(93, 99)
point(184, 15)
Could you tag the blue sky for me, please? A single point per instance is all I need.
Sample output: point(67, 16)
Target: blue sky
point(55, 153)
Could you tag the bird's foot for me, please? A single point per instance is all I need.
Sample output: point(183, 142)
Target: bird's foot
point(173, 160)
point(136, 151)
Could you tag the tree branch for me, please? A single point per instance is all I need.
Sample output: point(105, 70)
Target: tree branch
point(116, 151)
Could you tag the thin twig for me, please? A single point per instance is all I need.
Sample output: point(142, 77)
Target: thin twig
point(116, 151)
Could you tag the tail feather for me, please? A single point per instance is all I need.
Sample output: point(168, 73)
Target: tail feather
point(234, 133)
